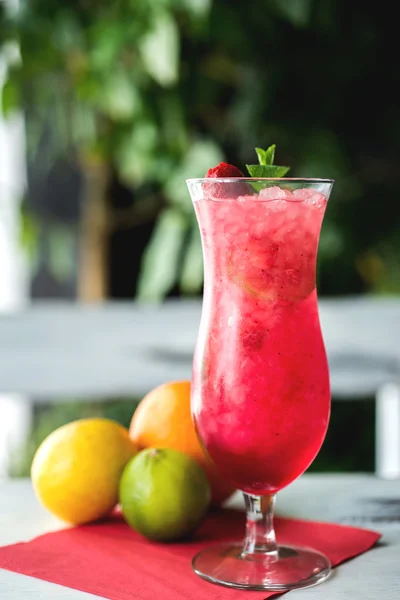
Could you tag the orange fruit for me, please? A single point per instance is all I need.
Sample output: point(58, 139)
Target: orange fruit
point(163, 420)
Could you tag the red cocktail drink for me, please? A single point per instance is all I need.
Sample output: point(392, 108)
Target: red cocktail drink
point(260, 386)
point(260, 383)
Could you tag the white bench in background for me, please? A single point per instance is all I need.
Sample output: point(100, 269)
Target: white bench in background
point(58, 351)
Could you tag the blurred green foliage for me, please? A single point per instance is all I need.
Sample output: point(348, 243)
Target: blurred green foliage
point(342, 450)
point(160, 90)
point(354, 453)
point(163, 89)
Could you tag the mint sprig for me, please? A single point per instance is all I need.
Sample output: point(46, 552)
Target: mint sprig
point(266, 157)
point(266, 167)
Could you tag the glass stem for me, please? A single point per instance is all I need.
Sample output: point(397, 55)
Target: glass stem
point(260, 534)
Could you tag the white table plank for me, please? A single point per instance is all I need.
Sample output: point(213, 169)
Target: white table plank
point(19, 587)
point(355, 499)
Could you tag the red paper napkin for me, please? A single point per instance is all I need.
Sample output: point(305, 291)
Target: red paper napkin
point(111, 560)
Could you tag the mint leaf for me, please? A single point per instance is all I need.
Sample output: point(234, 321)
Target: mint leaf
point(270, 155)
point(267, 170)
point(261, 156)
point(266, 157)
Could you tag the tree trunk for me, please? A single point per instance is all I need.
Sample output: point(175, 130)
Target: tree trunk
point(93, 261)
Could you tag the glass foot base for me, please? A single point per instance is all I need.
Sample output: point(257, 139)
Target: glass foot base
point(289, 569)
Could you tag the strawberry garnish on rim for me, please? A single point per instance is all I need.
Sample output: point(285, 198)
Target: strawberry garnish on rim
point(219, 190)
point(224, 170)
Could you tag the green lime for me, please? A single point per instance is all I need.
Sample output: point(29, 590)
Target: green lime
point(164, 494)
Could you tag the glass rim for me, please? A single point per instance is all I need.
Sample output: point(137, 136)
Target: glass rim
point(253, 179)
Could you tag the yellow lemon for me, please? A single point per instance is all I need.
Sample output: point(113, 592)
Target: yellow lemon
point(76, 470)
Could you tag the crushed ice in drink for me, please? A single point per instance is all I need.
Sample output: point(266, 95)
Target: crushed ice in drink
point(274, 193)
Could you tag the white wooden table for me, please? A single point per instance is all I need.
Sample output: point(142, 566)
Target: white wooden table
point(54, 351)
point(360, 500)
